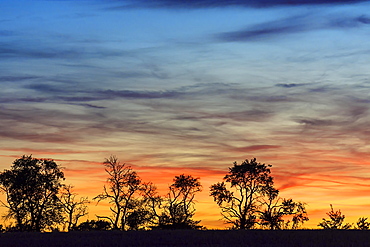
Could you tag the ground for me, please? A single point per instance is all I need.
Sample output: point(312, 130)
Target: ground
point(253, 238)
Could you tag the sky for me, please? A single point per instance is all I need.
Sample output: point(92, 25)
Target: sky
point(173, 87)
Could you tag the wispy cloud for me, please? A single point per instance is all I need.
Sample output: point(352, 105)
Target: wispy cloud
point(16, 78)
point(291, 25)
point(192, 4)
point(289, 85)
point(34, 49)
point(191, 115)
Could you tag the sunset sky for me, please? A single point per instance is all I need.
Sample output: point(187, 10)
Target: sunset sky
point(187, 86)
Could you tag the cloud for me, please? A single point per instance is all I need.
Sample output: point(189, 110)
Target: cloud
point(364, 19)
point(214, 122)
point(61, 92)
point(47, 88)
point(38, 50)
point(197, 4)
point(316, 122)
point(16, 78)
point(257, 34)
point(140, 94)
point(36, 137)
point(290, 85)
point(254, 148)
point(58, 93)
point(291, 25)
point(75, 115)
point(12, 51)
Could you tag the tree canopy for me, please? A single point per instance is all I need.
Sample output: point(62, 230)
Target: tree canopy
point(336, 220)
point(247, 197)
point(31, 187)
point(179, 204)
point(248, 182)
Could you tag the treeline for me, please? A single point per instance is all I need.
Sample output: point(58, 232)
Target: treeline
point(38, 200)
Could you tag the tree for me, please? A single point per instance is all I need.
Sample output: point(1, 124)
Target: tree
point(73, 208)
point(179, 204)
point(362, 224)
point(138, 219)
point(144, 215)
point(31, 187)
point(272, 215)
point(336, 220)
point(123, 184)
point(299, 214)
point(248, 182)
point(276, 209)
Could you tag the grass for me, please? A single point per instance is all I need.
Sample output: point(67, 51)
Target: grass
point(252, 238)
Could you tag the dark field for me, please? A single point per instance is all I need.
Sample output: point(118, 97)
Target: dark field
point(191, 238)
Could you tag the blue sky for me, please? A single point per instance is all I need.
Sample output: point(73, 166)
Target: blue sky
point(192, 85)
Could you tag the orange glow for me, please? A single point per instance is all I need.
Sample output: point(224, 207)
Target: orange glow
point(307, 184)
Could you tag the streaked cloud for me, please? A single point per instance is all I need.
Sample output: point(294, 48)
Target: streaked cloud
point(190, 4)
point(296, 24)
point(37, 50)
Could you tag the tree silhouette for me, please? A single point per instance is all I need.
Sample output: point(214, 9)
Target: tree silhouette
point(179, 204)
point(275, 209)
point(93, 225)
point(144, 214)
point(138, 219)
point(362, 224)
point(299, 213)
point(31, 187)
point(74, 209)
point(248, 182)
point(272, 215)
point(336, 220)
point(123, 184)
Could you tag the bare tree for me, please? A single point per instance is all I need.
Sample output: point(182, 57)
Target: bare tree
point(74, 208)
point(122, 185)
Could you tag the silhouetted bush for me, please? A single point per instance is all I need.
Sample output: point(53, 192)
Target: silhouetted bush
point(335, 221)
point(93, 225)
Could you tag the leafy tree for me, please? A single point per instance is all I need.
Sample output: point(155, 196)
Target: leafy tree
point(144, 214)
point(299, 213)
point(362, 224)
point(335, 220)
point(31, 187)
point(275, 209)
point(123, 184)
point(73, 208)
point(93, 225)
point(248, 183)
point(179, 204)
point(138, 219)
